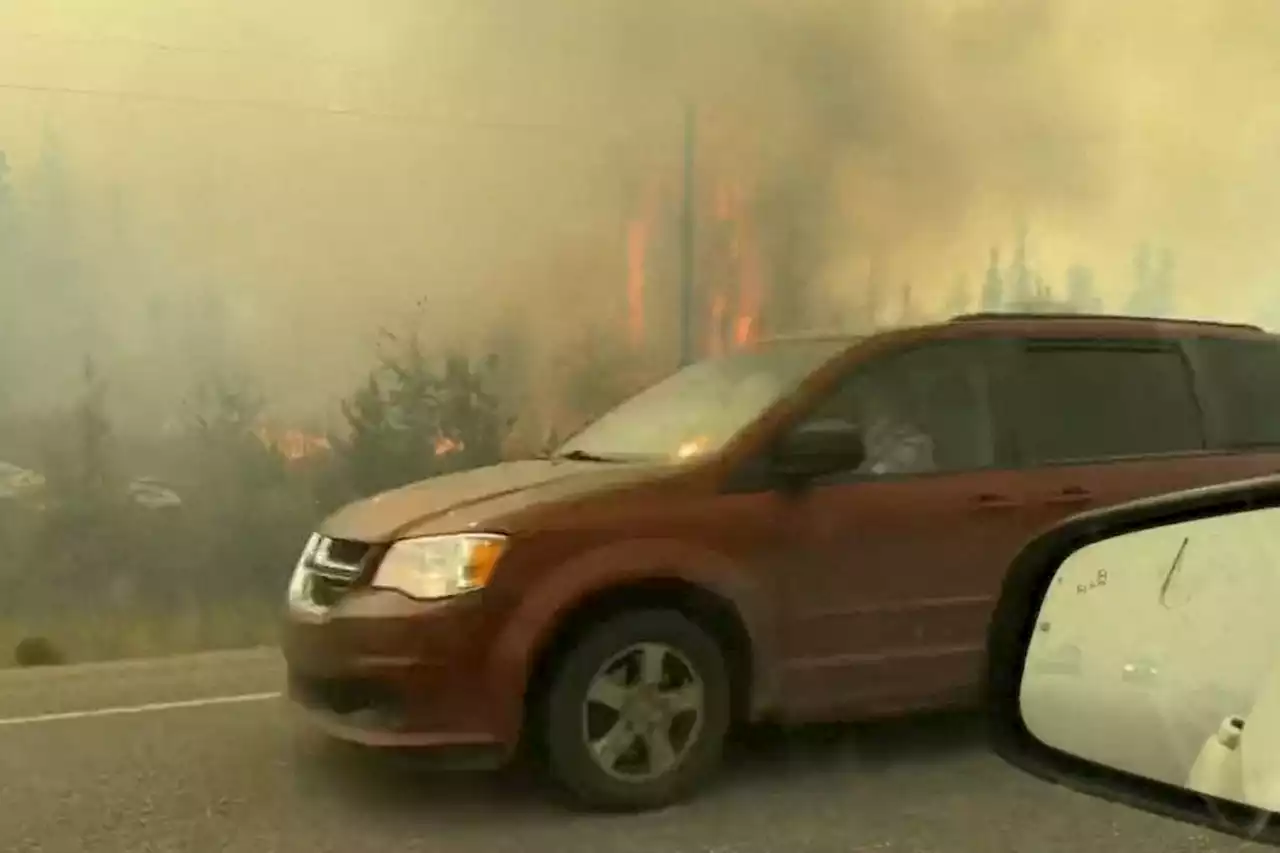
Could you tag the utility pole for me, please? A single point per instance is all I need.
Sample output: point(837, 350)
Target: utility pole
point(688, 233)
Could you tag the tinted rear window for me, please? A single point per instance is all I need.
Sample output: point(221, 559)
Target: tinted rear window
point(1245, 380)
point(1100, 401)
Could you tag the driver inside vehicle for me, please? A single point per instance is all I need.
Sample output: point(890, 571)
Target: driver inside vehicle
point(895, 443)
point(892, 436)
point(894, 439)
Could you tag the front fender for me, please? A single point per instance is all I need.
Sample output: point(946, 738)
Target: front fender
point(556, 594)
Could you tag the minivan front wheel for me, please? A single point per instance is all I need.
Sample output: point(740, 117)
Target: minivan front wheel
point(637, 712)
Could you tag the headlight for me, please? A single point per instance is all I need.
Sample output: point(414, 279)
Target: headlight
point(301, 577)
point(440, 566)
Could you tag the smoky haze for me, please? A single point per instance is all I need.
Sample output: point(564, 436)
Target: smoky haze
point(265, 184)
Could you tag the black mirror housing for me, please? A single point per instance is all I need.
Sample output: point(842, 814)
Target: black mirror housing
point(818, 448)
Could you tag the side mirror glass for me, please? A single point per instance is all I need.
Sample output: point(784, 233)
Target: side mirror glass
point(1135, 655)
point(819, 447)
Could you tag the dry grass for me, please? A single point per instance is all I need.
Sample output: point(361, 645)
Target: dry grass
point(112, 636)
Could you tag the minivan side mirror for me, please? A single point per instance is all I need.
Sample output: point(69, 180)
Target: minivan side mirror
point(817, 448)
point(1189, 577)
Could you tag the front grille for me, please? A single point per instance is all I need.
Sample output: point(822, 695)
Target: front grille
point(325, 592)
point(347, 552)
point(339, 560)
point(334, 566)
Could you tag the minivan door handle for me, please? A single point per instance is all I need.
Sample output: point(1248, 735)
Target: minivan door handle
point(989, 500)
point(1072, 495)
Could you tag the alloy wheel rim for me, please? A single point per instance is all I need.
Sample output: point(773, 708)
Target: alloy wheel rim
point(643, 712)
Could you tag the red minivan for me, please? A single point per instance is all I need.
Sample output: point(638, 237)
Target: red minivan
point(807, 530)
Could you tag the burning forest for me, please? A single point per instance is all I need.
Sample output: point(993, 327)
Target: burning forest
point(728, 282)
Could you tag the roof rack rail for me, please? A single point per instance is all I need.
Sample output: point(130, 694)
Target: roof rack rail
point(1032, 315)
point(808, 337)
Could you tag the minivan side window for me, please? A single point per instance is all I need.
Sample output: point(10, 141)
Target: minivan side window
point(1086, 401)
point(1244, 378)
point(923, 410)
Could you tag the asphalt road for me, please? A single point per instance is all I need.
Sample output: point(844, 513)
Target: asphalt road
point(130, 758)
point(1156, 731)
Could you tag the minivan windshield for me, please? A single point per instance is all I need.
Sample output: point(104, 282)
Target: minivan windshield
point(698, 409)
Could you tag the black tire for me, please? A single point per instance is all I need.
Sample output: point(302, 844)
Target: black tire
point(567, 754)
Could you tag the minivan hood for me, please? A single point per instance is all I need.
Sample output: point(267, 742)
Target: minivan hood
point(471, 499)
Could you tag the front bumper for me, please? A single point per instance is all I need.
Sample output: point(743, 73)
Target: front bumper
point(382, 670)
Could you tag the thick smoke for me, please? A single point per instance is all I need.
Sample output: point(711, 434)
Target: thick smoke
point(485, 155)
point(912, 136)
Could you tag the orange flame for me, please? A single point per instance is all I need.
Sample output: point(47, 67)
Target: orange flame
point(742, 268)
point(639, 236)
point(637, 243)
point(692, 447)
point(726, 202)
point(293, 444)
point(445, 445)
point(750, 291)
point(747, 262)
point(732, 278)
point(715, 340)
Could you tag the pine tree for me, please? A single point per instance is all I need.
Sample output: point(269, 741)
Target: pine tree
point(1162, 297)
point(1139, 296)
point(1081, 292)
point(10, 304)
point(907, 308)
point(369, 452)
point(55, 235)
point(7, 211)
point(416, 416)
point(79, 462)
point(873, 303)
point(1153, 292)
point(84, 540)
point(469, 417)
point(225, 415)
point(958, 297)
point(60, 301)
point(993, 286)
point(94, 435)
point(1020, 275)
point(246, 513)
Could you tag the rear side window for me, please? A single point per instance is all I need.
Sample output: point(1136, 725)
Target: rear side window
point(1244, 378)
point(1102, 401)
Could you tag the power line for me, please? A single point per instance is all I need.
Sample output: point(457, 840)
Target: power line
point(421, 119)
point(166, 47)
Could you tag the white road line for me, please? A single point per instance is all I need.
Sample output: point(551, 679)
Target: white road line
point(138, 709)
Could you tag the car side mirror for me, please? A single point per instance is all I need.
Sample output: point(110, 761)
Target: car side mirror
point(1132, 656)
point(819, 447)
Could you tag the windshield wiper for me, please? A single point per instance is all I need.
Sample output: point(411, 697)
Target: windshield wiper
point(584, 456)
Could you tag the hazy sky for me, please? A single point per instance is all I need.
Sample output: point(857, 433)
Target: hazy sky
point(489, 149)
